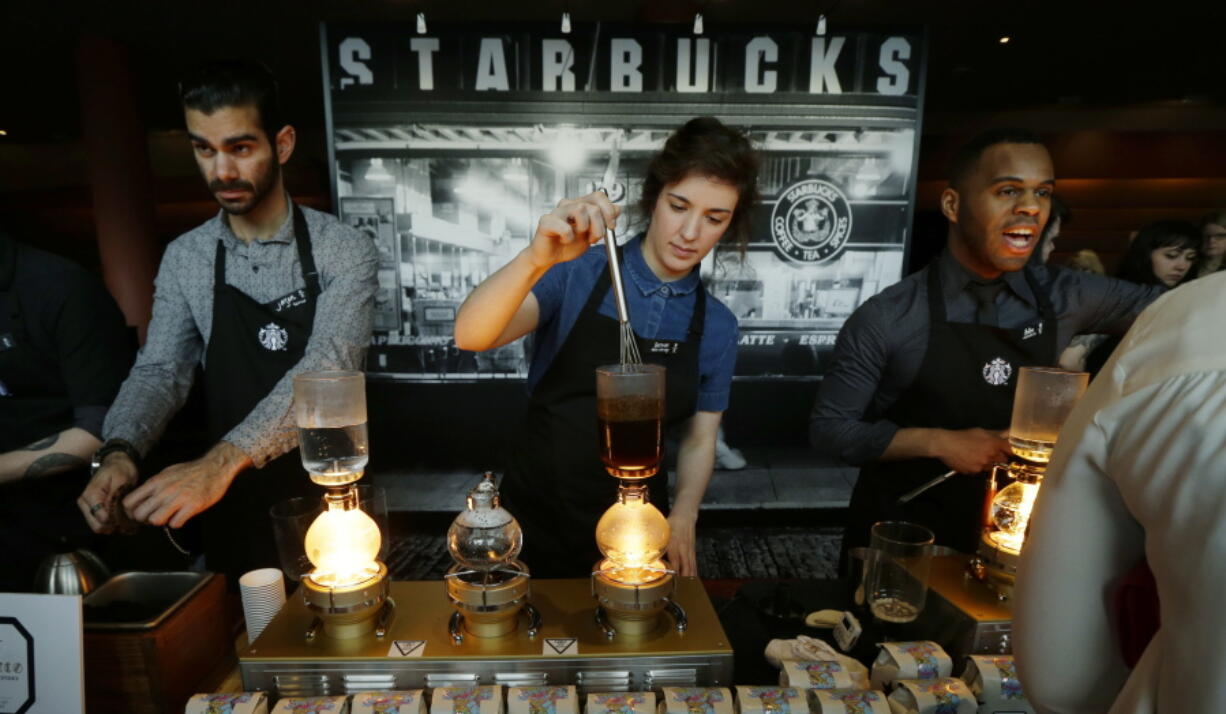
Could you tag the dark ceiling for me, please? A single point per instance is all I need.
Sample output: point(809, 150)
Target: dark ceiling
point(1071, 54)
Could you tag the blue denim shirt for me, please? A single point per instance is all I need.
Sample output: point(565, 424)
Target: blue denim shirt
point(658, 310)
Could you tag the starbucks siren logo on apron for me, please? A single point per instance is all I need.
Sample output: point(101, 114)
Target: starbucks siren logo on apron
point(997, 372)
point(274, 337)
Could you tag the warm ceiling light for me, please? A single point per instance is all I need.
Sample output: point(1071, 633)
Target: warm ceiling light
point(1004, 40)
point(3, 133)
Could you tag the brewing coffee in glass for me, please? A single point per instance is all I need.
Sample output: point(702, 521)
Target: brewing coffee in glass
point(330, 411)
point(630, 416)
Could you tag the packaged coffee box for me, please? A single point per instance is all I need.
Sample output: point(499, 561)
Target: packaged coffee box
point(993, 680)
point(909, 660)
point(695, 700)
point(542, 700)
point(946, 695)
point(776, 700)
point(312, 705)
point(467, 700)
point(621, 703)
point(409, 701)
point(850, 702)
point(819, 675)
point(228, 703)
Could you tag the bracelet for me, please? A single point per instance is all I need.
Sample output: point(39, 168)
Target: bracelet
point(110, 447)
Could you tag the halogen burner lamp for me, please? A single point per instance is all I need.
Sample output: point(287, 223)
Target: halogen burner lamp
point(632, 585)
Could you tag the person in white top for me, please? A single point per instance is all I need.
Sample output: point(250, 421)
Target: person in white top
point(1139, 470)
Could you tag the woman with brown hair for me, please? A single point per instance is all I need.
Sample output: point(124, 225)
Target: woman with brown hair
point(698, 191)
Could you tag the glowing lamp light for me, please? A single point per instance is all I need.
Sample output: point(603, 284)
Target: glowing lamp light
point(633, 535)
point(342, 545)
point(1011, 509)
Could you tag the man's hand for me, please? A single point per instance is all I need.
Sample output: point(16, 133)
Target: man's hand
point(681, 552)
point(99, 502)
point(178, 493)
point(970, 451)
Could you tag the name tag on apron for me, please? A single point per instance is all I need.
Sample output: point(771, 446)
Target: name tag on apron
point(1033, 331)
point(294, 299)
point(663, 347)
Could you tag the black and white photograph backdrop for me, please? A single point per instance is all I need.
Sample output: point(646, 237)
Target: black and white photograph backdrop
point(449, 144)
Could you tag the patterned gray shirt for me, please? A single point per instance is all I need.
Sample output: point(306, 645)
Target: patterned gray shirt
point(265, 270)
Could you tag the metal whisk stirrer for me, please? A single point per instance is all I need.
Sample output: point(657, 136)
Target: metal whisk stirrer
point(628, 342)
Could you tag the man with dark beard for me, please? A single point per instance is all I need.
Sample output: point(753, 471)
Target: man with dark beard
point(922, 376)
point(261, 292)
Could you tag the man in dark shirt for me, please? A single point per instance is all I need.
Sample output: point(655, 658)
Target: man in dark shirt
point(922, 376)
point(64, 350)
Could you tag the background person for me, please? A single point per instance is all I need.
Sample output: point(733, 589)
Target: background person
point(64, 350)
point(263, 291)
point(922, 375)
point(698, 189)
point(1213, 245)
point(1060, 216)
point(1137, 472)
point(1163, 254)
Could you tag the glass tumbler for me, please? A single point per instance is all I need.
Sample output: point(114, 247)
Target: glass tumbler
point(896, 573)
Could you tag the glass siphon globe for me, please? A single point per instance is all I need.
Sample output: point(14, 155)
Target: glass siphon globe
point(1011, 513)
point(484, 535)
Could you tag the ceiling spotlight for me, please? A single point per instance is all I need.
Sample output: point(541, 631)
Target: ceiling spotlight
point(566, 23)
point(3, 132)
point(821, 25)
point(421, 23)
point(698, 24)
point(376, 171)
point(567, 152)
point(1005, 40)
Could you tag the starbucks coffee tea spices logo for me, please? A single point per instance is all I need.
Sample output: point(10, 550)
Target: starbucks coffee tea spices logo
point(811, 222)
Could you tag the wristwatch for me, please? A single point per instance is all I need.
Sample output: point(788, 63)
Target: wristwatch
point(110, 447)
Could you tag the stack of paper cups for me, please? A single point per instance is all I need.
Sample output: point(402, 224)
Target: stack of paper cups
point(263, 594)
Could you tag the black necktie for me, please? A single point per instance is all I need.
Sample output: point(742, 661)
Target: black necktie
point(985, 300)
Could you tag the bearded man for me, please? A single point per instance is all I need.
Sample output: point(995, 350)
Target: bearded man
point(264, 290)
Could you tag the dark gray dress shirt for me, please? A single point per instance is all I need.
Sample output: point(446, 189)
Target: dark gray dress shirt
point(881, 346)
point(264, 269)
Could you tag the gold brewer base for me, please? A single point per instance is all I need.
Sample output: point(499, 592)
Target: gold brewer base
point(487, 606)
point(996, 566)
point(633, 610)
point(348, 612)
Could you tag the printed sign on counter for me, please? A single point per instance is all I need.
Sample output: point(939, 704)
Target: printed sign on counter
point(406, 648)
point(560, 646)
point(41, 654)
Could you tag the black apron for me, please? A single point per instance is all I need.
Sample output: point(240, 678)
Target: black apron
point(966, 380)
point(251, 347)
point(556, 485)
